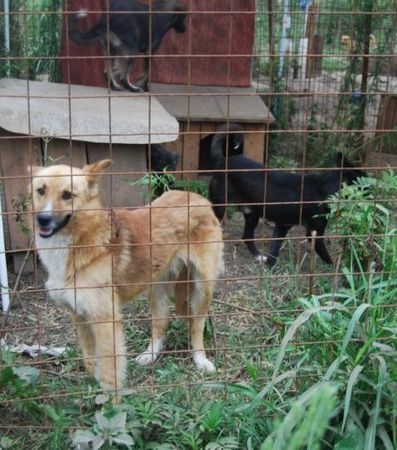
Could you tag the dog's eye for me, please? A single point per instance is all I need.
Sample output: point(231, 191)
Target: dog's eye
point(66, 195)
point(41, 191)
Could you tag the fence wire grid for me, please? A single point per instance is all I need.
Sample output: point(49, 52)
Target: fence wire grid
point(268, 128)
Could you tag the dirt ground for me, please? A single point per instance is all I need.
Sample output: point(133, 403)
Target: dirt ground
point(34, 319)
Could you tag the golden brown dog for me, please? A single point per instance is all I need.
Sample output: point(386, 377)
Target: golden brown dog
point(97, 259)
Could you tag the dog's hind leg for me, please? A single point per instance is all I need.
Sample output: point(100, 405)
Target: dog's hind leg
point(144, 77)
point(279, 234)
point(199, 304)
point(125, 77)
point(159, 304)
point(110, 74)
point(201, 289)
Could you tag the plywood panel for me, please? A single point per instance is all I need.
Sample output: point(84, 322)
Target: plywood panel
point(66, 152)
point(254, 143)
point(129, 165)
point(17, 154)
point(387, 120)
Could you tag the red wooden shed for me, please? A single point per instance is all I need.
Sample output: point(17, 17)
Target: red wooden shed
point(216, 30)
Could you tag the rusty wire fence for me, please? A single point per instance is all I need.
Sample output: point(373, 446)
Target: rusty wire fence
point(283, 114)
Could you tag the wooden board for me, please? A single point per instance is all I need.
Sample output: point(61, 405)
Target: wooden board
point(128, 166)
point(381, 160)
point(16, 156)
point(254, 142)
point(212, 104)
point(387, 121)
point(66, 152)
point(190, 152)
point(182, 58)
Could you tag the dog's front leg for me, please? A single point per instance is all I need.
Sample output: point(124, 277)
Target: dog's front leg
point(85, 338)
point(110, 351)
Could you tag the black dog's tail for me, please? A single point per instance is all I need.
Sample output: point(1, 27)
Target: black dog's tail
point(229, 140)
point(83, 37)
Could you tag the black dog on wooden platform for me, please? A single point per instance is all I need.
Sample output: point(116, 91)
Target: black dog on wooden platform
point(291, 198)
point(130, 28)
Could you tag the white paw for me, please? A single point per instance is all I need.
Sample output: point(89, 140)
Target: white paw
point(147, 358)
point(204, 364)
point(261, 258)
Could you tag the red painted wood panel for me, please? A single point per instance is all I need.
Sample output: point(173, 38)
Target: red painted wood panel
point(221, 35)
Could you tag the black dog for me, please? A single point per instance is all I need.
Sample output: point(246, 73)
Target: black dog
point(275, 195)
point(161, 160)
point(130, 28)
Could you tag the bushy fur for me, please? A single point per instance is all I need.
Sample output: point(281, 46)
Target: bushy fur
point(98, 259)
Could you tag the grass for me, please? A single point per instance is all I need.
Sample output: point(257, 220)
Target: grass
point(282, 359)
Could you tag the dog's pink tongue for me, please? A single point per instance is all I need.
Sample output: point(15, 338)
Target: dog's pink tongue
point(45, 231)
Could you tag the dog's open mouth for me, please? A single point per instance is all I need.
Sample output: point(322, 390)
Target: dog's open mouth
point(48, 231)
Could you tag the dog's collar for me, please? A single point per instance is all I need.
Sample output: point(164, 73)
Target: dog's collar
point(64, 222)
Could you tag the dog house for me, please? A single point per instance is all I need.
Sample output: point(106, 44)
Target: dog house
point(45, 123)
point(201, 77)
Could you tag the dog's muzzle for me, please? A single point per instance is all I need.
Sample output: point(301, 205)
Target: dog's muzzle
point(48, 225)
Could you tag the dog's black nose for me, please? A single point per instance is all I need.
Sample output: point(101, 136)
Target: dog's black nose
point(44, 219)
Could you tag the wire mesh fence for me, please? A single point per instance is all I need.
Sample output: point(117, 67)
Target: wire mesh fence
point(235, 159)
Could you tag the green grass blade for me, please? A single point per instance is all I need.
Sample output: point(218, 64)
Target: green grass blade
point(371, 431)
point(352, 380)
point(300, 320)
point(352, 325)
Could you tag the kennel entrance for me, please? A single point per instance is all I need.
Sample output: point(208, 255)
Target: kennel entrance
point(201, 109)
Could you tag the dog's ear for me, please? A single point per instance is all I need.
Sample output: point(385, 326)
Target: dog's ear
point(92, 170)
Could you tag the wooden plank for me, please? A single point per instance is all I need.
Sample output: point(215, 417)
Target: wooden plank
point(383, 160)
point(387, 120)
point(130, 162)
point(254, 143)
point(60, 151)
point(212, 104)
point(177, 147)
point(314, 59)
point(191, 149)
point(17, 154)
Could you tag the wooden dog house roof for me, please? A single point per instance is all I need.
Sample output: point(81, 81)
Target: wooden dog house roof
point(83, 113)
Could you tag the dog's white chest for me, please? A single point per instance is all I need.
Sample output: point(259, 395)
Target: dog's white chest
point(54, 253)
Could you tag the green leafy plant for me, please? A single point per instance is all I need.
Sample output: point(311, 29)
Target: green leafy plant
point(164, 181)
point(105, 430)
point(365, 212)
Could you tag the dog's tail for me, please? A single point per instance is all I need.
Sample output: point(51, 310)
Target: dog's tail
point(83, 37)
point(228, 141)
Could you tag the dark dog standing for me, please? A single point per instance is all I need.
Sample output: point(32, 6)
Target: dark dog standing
point(290, 198)
point(130, 28)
